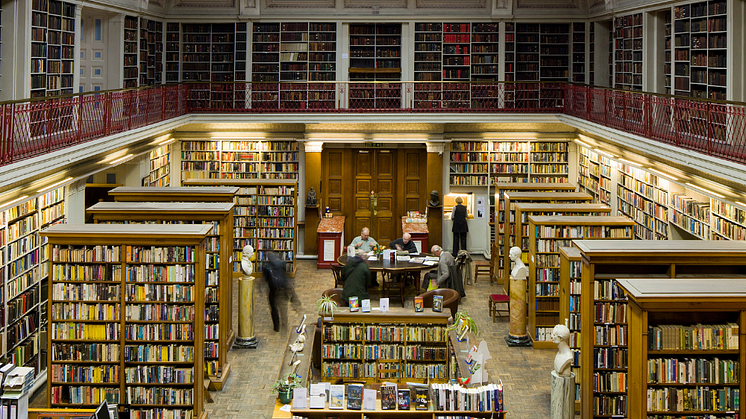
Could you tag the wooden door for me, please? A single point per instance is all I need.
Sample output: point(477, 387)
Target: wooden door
point(375, 174)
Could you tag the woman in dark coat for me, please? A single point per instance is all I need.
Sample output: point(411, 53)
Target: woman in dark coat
point(460, 228)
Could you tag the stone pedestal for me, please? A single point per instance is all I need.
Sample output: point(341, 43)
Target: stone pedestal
point(562, 397)
point(246, 337)
point(518, 336)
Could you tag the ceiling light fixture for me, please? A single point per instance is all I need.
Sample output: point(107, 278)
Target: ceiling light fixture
point(630, 162)
point(663, 174)
point(13, 201)
point(582, 143)
point(121, 159)
point(63, 181)
point(705, 190)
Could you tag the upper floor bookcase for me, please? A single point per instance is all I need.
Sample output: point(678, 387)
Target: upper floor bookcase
point(173, 52)
point(52, 47)
point(151, 52)
point(160, 167)
point(375, 55)
point(239, 159)
point(628, 50)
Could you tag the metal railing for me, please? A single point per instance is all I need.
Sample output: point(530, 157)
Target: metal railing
point(34, 127)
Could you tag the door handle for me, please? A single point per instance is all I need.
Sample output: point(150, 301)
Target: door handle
point(374, 202)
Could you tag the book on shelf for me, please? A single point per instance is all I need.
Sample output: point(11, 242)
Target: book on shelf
point(354, 304)
point(317, 396)
point(300, 401)
point(365, 306)
point(418, 305)
point(388, 397)
point(437, 303)
point(421, 398)
point(369, 399)
point(355, 396)
point(336, 396)
point(403, 397)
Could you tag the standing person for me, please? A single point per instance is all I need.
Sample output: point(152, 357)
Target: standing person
point(404, 243)
point(281, 291)
point(356, 277)
point(364, 242)
point(460, 228)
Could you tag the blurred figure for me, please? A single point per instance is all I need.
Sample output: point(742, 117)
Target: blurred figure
point(356, 276)
point(281, 291)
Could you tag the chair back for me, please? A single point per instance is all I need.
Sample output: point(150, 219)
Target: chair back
point(337, 273)
point(336, 295)
point(450, 298)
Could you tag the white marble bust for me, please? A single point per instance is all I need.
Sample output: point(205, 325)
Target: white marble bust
point(563, 359)
point(519, 272)
point(247, 254)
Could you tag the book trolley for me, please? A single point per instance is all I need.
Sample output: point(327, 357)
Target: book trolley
point(218, 294)
point(548, 235)
point(264, 217)
point(125, 323)
point(510, 199)
point(606, 352)
point(689, 359)
point(500, 212)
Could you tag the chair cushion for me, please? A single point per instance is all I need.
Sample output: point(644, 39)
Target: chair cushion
point(499, 297)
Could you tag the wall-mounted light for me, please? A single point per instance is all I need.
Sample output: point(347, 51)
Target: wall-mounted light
point(121, 159)
point(741, 204)
point(5, 204)
point(582, 143)
point(236, 137)
point(63, 181)
point(630, 162)
point(167, 141)
point(705, 190)
point(663, 174)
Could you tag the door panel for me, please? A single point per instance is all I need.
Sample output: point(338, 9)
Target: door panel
point(334, 180)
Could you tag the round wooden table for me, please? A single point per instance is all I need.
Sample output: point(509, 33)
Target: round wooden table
point(401, 267)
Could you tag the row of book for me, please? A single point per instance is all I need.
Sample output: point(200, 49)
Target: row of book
point(695, 337)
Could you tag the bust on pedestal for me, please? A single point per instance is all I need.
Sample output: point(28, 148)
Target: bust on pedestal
point(563, 379)
point(517, 335)
point(246, 338)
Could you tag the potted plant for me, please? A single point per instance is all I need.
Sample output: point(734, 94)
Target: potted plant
point(463, 319)
point(326, 306)
point(285, 385)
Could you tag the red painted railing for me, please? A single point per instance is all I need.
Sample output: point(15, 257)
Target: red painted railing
point(36, 127)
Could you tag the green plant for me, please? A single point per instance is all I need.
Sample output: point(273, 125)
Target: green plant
point(326, 306)
point(463, 316)
point(287, 383)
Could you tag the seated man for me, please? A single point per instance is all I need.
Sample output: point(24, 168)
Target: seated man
point(404, 243)
point(439, 278)
point(356, 277)
point(364, 242)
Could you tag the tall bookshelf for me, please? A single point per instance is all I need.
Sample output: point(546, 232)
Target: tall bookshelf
point(501, 215)
point(607, 354)
point(208, 54)
point(644, 197)
point(700, 49)
point(393, 346)
point(52, 48)
point(469, 163)
point(728, 221)
point(173, 52)
point(131, 53)
point(578, 52)
point(160, 167)
point(239, 159)
point(686, 346)
point(547, 235)
point(122, 274)
point(428, 65)
point(264, 217)
point(667, 53)
point(691, 215)
point(375, 55)
point(151, 52)
point(511, 223)
point(219, 335)
point(628, 51)
point(569, 307)
point(594, 174)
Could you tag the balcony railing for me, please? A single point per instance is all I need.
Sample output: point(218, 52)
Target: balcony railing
point(34, 127)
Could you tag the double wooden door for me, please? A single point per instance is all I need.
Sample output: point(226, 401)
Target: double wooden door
point(374, 188)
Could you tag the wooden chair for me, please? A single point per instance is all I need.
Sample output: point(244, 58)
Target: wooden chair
point(336, 294)
point(450, 299)
point(482, 267)
point(337, 272)
point(393, 282)
point(499, 299)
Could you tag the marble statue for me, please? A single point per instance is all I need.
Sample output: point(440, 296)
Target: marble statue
point(434, 199)
point(311, 199)
point(247, 255)
point(564, 357)
point(519, 271)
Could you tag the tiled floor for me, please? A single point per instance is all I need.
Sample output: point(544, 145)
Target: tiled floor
point(525, 372)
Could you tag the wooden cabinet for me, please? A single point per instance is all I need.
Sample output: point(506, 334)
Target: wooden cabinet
point(218, 290)
point(604, 311)
point(547, 235)
point(569, 303)
point(125, 321)
point(174, 194)
point(688, 353)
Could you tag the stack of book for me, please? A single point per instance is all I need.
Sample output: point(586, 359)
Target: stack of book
point(453, 397)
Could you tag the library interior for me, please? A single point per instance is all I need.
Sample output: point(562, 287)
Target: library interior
point(226, 155)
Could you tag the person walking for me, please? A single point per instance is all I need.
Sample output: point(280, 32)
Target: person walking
point(460, 227)
point(281, 291)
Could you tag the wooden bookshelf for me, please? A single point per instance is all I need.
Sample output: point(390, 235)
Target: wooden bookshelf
point(253, 222)
point(469, 163)
point(691, 215)
point(594, 174)
point(523, 210)
point(208, 54)
point(569, 302)
point(628, 52)
point(728, 221)
point(174, 194)
point(348, 339)
point(606, 261)
point(547, 235)
point(667, 53)
point(578, 52)
point(643, 197)
point(511, 198)
point(218, 290)
point(160, 167)
point(151, 52)
point(103, 269)
point(375, 55)
point(678, 323)
point(500, 214)
point(239, 159)
point(173, 54)
point(131, 53)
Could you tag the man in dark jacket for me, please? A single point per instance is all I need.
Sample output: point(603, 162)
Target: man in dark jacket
point(404, 243)
point(280, 291)
point(460, 226)
point(356, 276)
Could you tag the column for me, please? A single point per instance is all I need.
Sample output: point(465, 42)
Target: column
point(312, 153)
